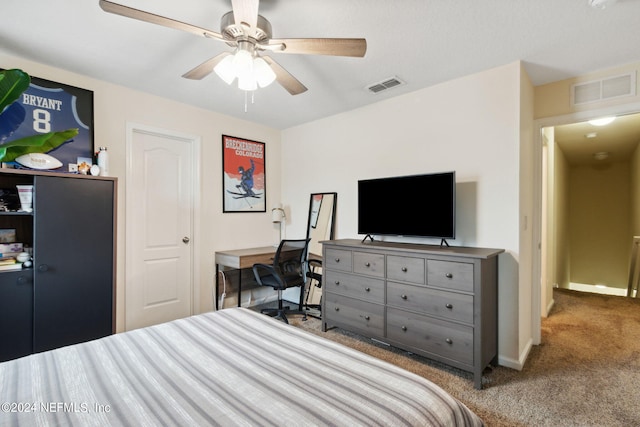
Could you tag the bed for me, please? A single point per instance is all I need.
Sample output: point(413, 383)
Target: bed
point(230, 367)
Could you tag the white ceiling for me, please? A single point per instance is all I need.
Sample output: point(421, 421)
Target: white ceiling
point(423, 42)
point(580, 141)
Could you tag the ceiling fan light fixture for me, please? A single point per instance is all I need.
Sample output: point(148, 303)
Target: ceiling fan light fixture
point(251, 71)
point(243, 63)
point(263, 73)
point(247, 83)
point(225, 70)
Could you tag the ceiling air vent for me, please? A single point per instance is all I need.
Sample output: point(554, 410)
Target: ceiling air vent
point(604, 89)
point(384, 85)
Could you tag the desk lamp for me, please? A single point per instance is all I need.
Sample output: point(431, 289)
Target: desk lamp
point(278, 216)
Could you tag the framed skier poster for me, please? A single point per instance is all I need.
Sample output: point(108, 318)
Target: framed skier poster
point(243, 175)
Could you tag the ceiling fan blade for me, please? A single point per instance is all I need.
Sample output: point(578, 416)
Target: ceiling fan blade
point(204, 69)
point(335, 47)
point(284, 78)
point(140, 15)
point(246, 11)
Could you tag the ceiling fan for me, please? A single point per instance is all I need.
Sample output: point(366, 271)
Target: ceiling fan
point(250, 34)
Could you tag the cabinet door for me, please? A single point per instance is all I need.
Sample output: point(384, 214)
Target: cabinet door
point(16, 309)
point(73, 260)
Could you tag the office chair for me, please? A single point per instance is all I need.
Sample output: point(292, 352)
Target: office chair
point(289, 269)
point(314, 273)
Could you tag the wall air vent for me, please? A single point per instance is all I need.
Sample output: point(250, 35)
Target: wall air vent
point(604, 89)
point(385, 84)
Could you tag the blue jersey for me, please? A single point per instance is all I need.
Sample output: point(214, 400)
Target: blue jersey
point(41, 110)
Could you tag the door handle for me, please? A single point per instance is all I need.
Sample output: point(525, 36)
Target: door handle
point(43, 267)
point(185, 240)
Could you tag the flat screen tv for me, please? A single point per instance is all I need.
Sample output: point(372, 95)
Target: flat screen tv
point(415, 205)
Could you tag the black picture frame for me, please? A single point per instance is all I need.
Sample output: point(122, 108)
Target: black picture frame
point(244, 181)
point(65, 107)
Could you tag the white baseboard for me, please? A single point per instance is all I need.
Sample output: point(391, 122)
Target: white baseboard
point(508, 362)
point(598, 289)
point(550, 306)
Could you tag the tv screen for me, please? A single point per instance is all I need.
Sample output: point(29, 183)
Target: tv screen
point(415, 205)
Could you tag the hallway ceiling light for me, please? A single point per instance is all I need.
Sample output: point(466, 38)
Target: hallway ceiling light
point(603, 121)
point(602, 4)
point(601, 155)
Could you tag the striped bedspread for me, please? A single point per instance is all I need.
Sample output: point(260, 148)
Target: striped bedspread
point(231, 367)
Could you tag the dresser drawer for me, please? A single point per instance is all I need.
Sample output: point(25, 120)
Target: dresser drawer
point(371, 264)
point(354, 286)
point(448, 305)
point(451, 275)
point(337, 259)
point(406, 269)
point(439, 337)
point(353, 314)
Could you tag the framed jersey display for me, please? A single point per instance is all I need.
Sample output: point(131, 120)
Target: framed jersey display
point(47, 106)
point(244, 175)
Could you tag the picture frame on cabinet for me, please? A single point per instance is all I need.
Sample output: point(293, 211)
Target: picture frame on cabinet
point(49, 106)
point(243, 175)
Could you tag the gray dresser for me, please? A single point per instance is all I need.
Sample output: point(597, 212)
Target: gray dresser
point(438, 302)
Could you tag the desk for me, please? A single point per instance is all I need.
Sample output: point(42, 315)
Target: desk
point(242, 258)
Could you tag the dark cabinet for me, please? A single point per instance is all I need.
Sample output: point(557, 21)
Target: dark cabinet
point(68, 295)
point(16, 314)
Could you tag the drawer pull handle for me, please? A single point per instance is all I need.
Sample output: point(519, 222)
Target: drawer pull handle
point(404, 269)
point(449, 341)
point(366, 317)
point(337, 260)
point(404, 328)
point(367, 264)
point(449, 276)
point(403, 296)
point(337, 309)
point(337, 282)
point(367, 289)
point(449, 306)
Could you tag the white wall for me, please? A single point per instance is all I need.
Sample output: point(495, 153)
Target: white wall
point(470, 125)
point(114, 106)
point(600, 229)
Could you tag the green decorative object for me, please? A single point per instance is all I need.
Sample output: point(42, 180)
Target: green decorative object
point(12, 84)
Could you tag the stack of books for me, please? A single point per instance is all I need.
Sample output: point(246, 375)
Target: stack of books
point(9, 263)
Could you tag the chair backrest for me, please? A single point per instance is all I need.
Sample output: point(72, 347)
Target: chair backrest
point(291, 259)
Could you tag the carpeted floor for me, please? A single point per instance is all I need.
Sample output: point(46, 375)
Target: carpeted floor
point(586, 372)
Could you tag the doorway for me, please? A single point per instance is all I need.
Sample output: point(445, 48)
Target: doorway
point(160, 226)
point(590, 197)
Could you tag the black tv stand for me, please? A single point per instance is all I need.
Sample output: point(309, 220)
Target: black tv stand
point(444, 243)
point(367, 236)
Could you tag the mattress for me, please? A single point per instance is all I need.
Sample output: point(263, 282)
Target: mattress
point(230, 367)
